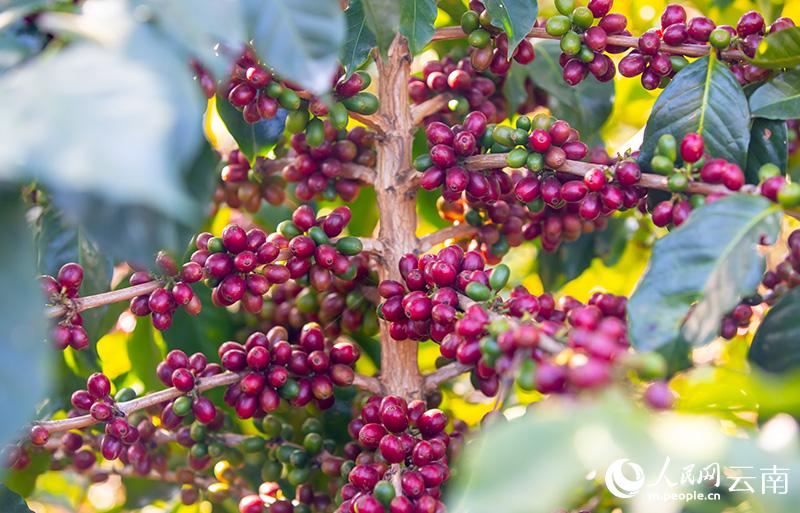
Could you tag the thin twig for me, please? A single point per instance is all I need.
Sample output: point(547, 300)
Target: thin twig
point(445, 373)
point(458, 231)
point(689, 50)
point(370, 121)
point(368, 383)
point(422, 110)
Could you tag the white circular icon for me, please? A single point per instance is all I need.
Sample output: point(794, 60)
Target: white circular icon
point(619, 484)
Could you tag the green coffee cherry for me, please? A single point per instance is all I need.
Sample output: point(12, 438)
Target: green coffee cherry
point(582, 17)
point(296, 121)
point(459, 105)
point(527, 375)
point(768, 170)
point(384, 492)
point(479, 38)
point(678, 182)
point(523, 123)
point(315, 133)
point(125, 394)
point(586, 54)
point(571, 43)
point(318, 235)
point(470, 21)
point(503, 134)
point(422, 162)
point(499, 276)
point(313, 443)
point(517, 157)
point(182, 406)
point(288, 229)
point(362, 103)
point(697, 201)
point(274, 89)
point(565, 7)
point(215, 245)
point(667, 147)
point(720, 38)
point(338, 115)
point(478, 291)
point(662, 165)
point(789, 195)
point(558, 25)
point(535, 161)
point(349, 246)
point(678, 62)
point(289, 100)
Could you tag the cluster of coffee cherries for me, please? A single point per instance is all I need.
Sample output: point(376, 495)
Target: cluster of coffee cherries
point(318, 164)
point(402, 442)
point(182, 372)
point(774, 186)
point(694, 164)
point(176, 291)
point(579, 57)
point(241, 187)
point(342, 308)
point(489, 45)
point(96, 399)
point(61, 290)
point(426, 305)
point(776, 282)
point(275, 369)
point(471, 90)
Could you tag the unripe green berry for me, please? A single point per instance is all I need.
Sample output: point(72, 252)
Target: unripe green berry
point(662, 165)
point(667, 147)
point(470, 21)
point(558, 25)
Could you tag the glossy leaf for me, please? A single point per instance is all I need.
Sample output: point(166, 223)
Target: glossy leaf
point(515, 17)
point(706, 98)
point(768, 143)
point(300, 39)
point(383, 20)
point(779, 50)
point(776, 345)
point(253, 139)
point(145, 350)
point(701, 270)
point(359, 40)
point(25, 354)
point(416, 23)
point(779, 98)
point(538, 462)
point(10, 502)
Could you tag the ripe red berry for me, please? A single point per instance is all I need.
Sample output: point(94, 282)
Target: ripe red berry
point(98, 385)
point(595, 179)
point(692, 147)
point(70, 276)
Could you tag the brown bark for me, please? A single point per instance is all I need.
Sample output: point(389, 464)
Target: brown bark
point(397, 204)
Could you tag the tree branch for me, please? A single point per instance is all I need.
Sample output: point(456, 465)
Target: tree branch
point(689, 50)
point(574, 167)
point(84, 303)
point(80, 304)
point(140, 403)
point(368, 383)
point(368, 121)
point(458, 231)
point(445, 373)
point(422, 110)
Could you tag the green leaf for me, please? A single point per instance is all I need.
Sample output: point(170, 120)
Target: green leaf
point(572, 258)
point(779, 50)
point(300, 39)
point(515, 17)
point(201, 27)
point(557, 455)
point(145, 351)
point(10, 502)
point(768, 143)
point(359, 40)
point(776, 345)
point(383, 20)
point(706, 98)
point(253, 139)
point(24, 357)
point(585, 106)
point(779, 98)
point(701, 270)
point(416, 23)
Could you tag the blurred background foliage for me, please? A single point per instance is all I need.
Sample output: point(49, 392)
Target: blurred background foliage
point(161, 103)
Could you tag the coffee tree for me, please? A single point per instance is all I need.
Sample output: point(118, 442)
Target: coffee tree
point(374, 186)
